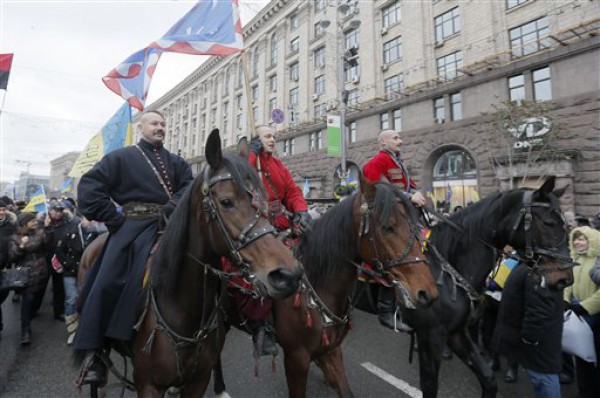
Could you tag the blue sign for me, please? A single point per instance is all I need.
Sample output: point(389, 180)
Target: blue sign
point(278, 116)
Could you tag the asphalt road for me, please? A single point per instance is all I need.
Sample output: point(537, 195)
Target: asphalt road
point(376, 361)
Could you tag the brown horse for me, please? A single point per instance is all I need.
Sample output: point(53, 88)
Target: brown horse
point(180, 335)
point(378, 226)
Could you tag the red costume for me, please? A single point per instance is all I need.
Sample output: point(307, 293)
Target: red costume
point(280, 187)
point(386, 165)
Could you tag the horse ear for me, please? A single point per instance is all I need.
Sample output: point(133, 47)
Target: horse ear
point(243, 147)
point(561, 191)
point(547, 187)
point(367, 189)
point(213, 152)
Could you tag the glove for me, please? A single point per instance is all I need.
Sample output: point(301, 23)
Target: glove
point(256, 145)
point(579, 310)
point(303, 221)
point(113, 226)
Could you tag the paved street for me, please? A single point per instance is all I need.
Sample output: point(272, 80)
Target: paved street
point(44, 369)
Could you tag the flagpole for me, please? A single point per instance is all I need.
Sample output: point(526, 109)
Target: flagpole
point(3, 98)
point(250, 124)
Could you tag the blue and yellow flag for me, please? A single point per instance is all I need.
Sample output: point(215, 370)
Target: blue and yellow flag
point(67, 185)
point(116, 133)
point(37, 203)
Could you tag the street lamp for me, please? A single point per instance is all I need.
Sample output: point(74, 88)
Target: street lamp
point(347, 58)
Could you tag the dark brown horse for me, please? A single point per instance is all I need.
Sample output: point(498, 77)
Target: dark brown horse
point(528, 220)
point(180, 335)
point(378, 226)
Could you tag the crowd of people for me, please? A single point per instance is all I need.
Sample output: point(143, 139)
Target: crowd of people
point(147, 181)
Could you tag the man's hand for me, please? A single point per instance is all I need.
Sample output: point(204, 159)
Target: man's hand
point(418, 199)
point(256, 145)
point(303, 221)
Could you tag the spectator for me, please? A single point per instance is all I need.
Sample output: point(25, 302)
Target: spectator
point(8, 227)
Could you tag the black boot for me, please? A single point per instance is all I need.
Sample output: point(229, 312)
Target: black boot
point(263, 337)
point(25, 336)
point(386, 310)
point(93, 370)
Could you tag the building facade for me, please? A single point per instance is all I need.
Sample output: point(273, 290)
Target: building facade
point(438, 71)
point(59, 174)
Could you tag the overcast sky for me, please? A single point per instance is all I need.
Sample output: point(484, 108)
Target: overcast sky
point(56, 99)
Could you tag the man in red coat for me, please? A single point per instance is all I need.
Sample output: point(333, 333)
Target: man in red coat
point(285, 198)
point(387, 166)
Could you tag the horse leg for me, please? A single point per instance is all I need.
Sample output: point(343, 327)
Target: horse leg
point(297, 364)
point(332, 365)
point(463, 346)
point(148, 390)
point(219, 382)
point(430, 344)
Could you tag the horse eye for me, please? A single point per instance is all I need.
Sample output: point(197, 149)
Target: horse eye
point(388, 228)
point(226, 203)
point(549, 222)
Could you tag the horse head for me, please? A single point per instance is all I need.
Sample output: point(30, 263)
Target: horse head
point(234, 203)
point(389, 240)
point(538, 230)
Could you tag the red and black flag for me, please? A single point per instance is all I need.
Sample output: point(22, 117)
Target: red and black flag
point(5, 64)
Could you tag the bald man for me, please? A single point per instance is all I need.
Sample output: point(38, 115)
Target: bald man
point(387, 166)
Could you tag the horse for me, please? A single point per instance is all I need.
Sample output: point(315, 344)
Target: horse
point(462, 252)
point(377, 225)
point(90, 254)
point(179, 332)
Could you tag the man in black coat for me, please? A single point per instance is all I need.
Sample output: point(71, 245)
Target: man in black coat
point(146, 180)
point(8, 227)
point(529, 329)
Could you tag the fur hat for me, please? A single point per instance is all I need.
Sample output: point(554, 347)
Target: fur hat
point(24, 218)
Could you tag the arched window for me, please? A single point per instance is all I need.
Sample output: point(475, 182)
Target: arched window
point(454, 180)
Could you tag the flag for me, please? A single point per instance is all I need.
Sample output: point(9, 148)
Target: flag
point(67, 185)
point(431, 196)
point(306, 189)
point(37, 202)
point(5, 65)
point(211, 27)
point(448, 193)
point(14, 193)
point(334, 136)
point(116, 133)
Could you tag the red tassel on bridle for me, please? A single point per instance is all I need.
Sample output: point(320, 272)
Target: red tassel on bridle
point(324, 338)
point(309, 322)
point(297, 298)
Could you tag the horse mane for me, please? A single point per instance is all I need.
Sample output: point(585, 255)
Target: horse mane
point(326, 248)
point(170, 255)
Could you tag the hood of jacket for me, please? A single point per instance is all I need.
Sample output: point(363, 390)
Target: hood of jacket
point(593, 237)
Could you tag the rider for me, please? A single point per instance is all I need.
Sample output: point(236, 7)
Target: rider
point(387, 166)
point(284, 196)
point(147, 181)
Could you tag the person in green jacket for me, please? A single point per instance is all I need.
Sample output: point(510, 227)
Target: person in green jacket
point(583, 298)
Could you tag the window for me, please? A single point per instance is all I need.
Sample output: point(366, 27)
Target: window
point(514, 3)
point(392, 50)
point(516, 88)
point(384, 121)
point(391, 14)
point(542, 90)
point(255, 93)
point(294, 96)
point(447, 66)
point(319, 5)
point(226, 86)
point(353, 97)
point(319, 57)
point(213, 115)
point(352, 70)
point(215, 89)
point(446, 25)
point(238, 102)
point(319, 30)
point(295, 71)
point(351, 38)
point(225, 109)
point(295, 45)
point(526, 39)
point(240, 76)
point(272, 104)
point(439, 111)
point(320, 111)
point(273, 83)
point(288, 147)
point(274, 45)
point(397, 115)
point(352, 132)
point(238, 121)
point(225, 128)
point(393, 84)
point(255, 63)
point(255, 114)
point(320, 84)
point(455, 106)
point(294, 22)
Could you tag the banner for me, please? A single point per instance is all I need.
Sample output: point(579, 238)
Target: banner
point(5, 65)
point(67, 185)
point(116, 133)
point(37, 203)
point(334, 141)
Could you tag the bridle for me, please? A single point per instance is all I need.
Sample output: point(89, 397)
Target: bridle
point(532, 251)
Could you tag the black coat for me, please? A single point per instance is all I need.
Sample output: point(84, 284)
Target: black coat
point(8, 227)
point(113, 285)
point(532, 313)
point(67, 243)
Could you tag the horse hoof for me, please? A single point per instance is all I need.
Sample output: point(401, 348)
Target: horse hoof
point(224, 394)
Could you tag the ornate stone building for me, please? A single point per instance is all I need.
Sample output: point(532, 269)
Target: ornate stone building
point(435, 70)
